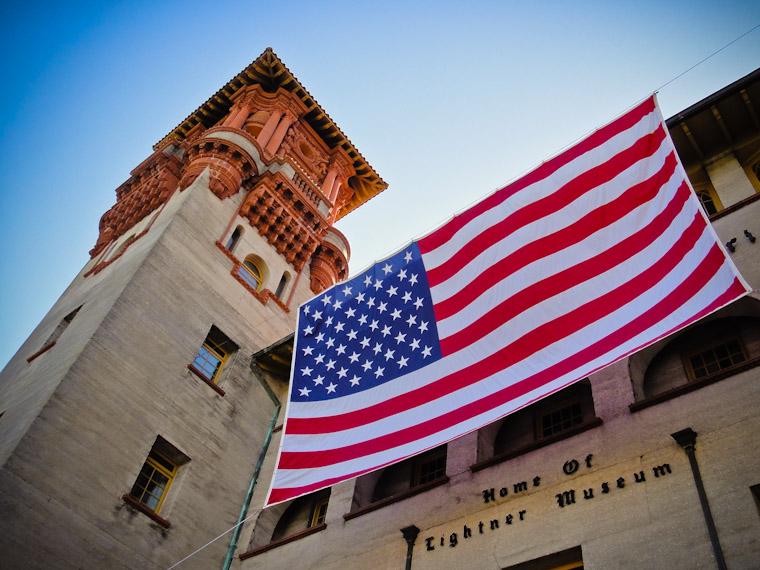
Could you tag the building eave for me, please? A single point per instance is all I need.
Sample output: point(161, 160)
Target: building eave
point(271, 74)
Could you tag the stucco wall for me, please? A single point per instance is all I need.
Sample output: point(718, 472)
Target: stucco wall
point(127, 382)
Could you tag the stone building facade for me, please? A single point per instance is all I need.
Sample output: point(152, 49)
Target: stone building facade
point(598, 475)
point(141, 418)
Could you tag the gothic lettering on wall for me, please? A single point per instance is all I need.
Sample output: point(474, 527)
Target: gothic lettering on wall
point(482, 527)
point(564, 499)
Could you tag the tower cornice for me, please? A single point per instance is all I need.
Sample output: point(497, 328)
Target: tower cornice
point(268, 72)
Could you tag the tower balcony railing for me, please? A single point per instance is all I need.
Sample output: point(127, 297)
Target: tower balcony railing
point(309, 189)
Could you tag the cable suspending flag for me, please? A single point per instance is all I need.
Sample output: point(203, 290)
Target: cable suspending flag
point(593, 255)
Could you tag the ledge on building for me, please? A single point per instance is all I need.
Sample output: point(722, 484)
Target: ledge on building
point(43, 350)
point(150, 513)
point(396, 498)
point(280, 542)
point(694, 385)
point(732, 208)
point(568, 433)
point(200, 375)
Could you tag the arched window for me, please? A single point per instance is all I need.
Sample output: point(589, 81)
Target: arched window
point(563, 414)
point(253, 272)
point(282, 285)
point(411, 473)
point(234, 238)
point(706, 352)
point(305, 512)
point(707, 202)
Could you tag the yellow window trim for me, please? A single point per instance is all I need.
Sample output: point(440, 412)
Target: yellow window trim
point(220, 353)
point(320, 512)
point(169, 474)
point(752, 170)
point(259, 279)
point(707, 188)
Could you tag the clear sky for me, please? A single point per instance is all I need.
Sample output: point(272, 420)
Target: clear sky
point(447, 101)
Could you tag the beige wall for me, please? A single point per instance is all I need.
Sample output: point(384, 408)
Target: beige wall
point(83, 426)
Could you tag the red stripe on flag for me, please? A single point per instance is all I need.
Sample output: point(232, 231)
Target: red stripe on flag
point(583, 183)
point(283, 494)
point(592, 222)
point(444, 234)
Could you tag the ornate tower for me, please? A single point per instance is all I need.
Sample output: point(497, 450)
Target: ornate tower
point(130, 420)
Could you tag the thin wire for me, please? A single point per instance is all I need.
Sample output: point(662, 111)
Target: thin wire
point(210, 542)
point(708, 57)
point(462, 210)
point(438, 224)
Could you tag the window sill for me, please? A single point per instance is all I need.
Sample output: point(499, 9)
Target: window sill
point(264, 295)
point(43, 350)
point(395, 498)
point(200, 375)
point(150, 513)
point(575, 430)
point(280, 542)
point(694, 385)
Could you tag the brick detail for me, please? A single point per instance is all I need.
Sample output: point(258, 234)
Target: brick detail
point(150, 186)
point(328, 267)
point(228, 164)
point(284, 218)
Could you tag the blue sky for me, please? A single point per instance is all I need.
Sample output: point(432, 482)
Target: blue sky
point(447, 100)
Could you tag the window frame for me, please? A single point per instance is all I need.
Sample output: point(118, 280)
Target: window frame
point(234, 238)
point(318, 511)
point(52, 340)
point(215, 346)
point(255, 283)
point(752, 170)
point(216, 351)
point(686, 357)
point(425, 459)
point(170, 475)
point(543, 412)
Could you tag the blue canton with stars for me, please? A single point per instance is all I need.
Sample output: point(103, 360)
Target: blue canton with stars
point(364, 332)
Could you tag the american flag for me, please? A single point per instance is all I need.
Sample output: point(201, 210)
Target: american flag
point(595, 254)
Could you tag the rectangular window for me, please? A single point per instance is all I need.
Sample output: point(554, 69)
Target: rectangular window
point(715, 358)
point(213, 354)
point(319, 512)
point(560, 419)
point(156, 476)
point(429, 467)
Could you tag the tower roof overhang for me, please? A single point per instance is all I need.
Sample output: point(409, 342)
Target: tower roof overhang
point(271, 74)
